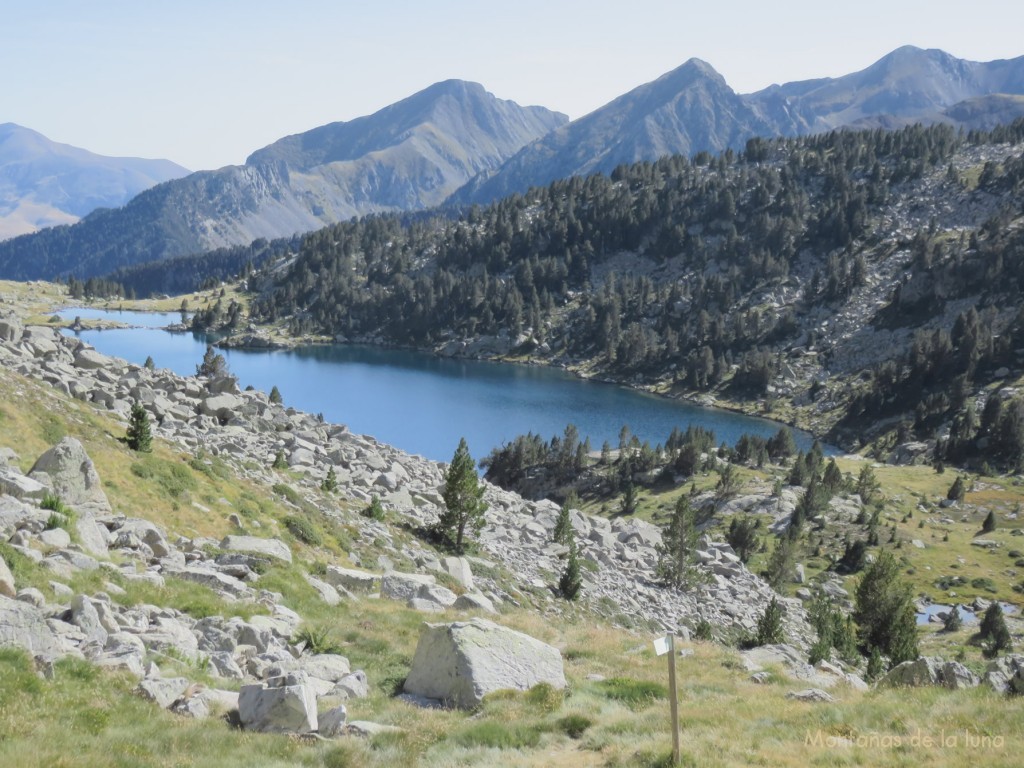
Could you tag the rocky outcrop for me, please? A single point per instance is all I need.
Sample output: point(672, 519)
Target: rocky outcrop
point(461, 662)
point(620, 578)
point(930, 670)
point(1006, 674)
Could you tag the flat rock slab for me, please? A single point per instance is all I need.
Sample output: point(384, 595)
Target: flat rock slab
point(270, 547)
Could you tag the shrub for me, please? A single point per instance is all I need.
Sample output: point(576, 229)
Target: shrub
point(304, 530)
point(279, 460)
point(636, 694)
point(375, 511)
point(498, 735)
point(704, 630)
point(769, 626)
point(574, 726)
point(545, 697)
point(318, 639)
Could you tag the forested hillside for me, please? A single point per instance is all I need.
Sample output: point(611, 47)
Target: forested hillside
point(771, 273)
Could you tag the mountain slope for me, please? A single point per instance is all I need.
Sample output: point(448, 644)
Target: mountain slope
point(685, 111)
point(692, 109)
point(43, 183)
point(408, 156)
point(905, 86)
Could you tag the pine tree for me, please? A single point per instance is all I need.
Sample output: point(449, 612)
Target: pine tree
point(780, 564)
point(628, 499)
point(570, 583)
point(330, 483)
point(279, 460)
point(742, 536)
point(769, 626)
point(954, 621)
point(463, 499)
point(884, 611)
point(138, 435)
point(990, 522)
point(563, 525)
point(214, 366)
point(275, 395)
point(957, 490)
point(993, 628)
point(678, 546)
point(149, 365)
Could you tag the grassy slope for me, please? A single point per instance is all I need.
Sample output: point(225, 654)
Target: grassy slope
point(89, 718)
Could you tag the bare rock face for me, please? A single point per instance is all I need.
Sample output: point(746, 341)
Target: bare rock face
point(462, 662)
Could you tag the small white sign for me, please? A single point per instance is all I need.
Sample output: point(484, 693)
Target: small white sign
point(661, 645)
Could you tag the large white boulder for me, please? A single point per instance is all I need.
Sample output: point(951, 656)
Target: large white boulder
point(286, 704)
point(462, 662)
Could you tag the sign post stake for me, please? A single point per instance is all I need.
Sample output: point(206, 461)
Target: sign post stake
point(673, 697)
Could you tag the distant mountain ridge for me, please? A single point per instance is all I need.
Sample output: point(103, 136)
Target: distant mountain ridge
point(454, 143)
point(693, 109)
point(408, 156)
point(44, 183)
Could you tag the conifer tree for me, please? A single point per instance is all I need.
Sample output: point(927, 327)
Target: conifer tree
point(884, 611)
point(678, 549)
point(769, 626)
point(990, 522)
point(330, 483)
point(571, 583)
point(463, 499)
point(275, 395)
point(563, 525)
point(138, 435)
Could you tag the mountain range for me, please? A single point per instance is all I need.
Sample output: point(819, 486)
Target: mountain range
point(455, 143)
point(43, 183)
point(411, 155)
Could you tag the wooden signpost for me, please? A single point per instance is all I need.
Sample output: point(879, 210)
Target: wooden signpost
point(662, 646)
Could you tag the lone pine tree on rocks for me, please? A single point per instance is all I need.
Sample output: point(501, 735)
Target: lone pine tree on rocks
point(138, 436)
point(463, 500)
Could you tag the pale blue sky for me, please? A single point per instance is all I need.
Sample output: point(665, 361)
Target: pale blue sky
point(206, 82)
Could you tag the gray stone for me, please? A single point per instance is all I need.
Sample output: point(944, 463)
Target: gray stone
point(930, 670)
point(1006, 674)
point(24, 626)
point(32, 596)
point(89, 359)
point(285, 704)
point(462, 662)
point(85, 616)
point(353, 685)
point(163, 691)
point(274, 548)
point(404, 586)
point(474, 601)
point(69, 472)
point(332, 722)
point(57, 538)
point(366, 728)
point(811, 694)
point(19, 486)
point(327, 593)
point(458, 568)
point(352, 579)
point(6, 580)
point(199, 702)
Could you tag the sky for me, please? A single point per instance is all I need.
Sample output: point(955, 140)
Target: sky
point(206, 82)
